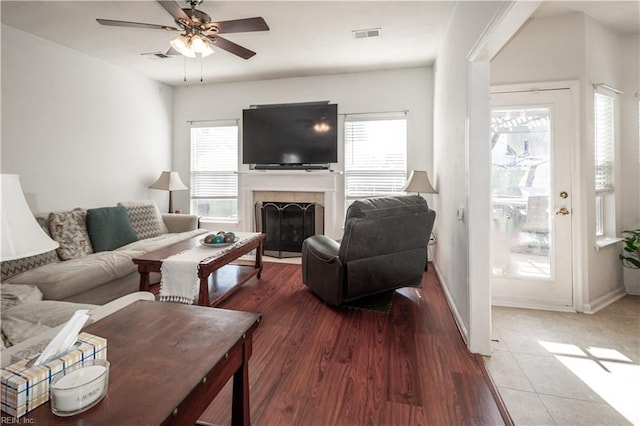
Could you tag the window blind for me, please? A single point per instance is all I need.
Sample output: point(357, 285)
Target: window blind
point(214, 166)
point(604, 142)
point(375, 155)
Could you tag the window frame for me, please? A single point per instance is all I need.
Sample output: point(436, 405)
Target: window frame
point(231, 172)
point(605, 183)
point(400, 174)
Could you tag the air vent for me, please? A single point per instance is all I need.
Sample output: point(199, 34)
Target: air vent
point(155, 55)
point(373, 32)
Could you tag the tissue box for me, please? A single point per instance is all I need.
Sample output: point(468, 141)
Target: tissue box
point(24, 388)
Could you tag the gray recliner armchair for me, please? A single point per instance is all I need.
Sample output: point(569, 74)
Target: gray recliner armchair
point(384, 247)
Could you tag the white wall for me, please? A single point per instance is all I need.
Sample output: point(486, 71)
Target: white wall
point(630, 150)
point(575, 47)
point(78, 131)
point(395, 90)
point(451, 110)
point(549, 49)
point(602, 65)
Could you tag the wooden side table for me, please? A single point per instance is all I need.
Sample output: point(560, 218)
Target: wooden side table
point(168, 362)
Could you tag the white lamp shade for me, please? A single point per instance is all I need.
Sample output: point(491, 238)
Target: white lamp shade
point(169, 181)
point(183, 45)
point(20, 233)
point(419, 182)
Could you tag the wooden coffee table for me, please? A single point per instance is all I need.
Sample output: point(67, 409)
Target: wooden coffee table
point(216, 283)
point(168, 362)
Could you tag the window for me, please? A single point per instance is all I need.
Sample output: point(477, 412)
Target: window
point(375, 155)
point(214, 178)
point(604, 126)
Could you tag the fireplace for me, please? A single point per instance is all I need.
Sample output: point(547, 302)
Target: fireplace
point(318, 187)
point(286, 225)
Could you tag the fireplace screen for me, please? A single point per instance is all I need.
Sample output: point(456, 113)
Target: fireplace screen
point(287, 225)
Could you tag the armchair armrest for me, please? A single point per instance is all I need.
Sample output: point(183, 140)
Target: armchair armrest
point(322, 269)
point(180, 222)
point(322, 248)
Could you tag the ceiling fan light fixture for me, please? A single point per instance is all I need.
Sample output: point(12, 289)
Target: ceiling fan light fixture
point(206, 49)
point(183, 45)
point(197, 44)
point(200, 46)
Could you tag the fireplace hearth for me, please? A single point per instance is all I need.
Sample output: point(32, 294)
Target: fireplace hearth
point(286, 225)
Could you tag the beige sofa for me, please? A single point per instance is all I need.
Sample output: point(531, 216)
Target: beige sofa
point(77, 273)
point(29, 323)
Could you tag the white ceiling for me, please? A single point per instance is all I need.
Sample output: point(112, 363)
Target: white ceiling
point(305, 37)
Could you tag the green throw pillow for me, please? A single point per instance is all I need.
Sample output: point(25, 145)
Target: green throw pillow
point(109, 228)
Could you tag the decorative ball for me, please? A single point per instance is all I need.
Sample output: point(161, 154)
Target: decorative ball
point(229, 237)
point(209, 238)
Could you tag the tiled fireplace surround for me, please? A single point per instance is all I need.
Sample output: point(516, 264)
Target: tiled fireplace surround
point(284, 186)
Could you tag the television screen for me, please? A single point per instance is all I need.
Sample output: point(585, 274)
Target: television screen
point(291, 135)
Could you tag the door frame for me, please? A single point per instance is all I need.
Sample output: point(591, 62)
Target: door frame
point(577, 239)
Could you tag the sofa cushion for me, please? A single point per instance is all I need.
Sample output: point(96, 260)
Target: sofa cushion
point(69, 229)
point(15, 294)
point(30, 319)
point(109, 228)
point(61, 280)
point(155, 243)
point(146, 218)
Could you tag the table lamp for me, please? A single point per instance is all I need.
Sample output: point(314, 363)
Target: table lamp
point(20, 232)
point(419, 182)
point(169, 181)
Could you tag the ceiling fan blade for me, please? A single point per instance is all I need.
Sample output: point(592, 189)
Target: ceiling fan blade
point(175, 10)
point(172, 52)
point(113, 23)
point(231, 47)
point(241, 25)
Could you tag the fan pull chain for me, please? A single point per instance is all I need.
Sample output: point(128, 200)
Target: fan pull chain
point(185, 68)
point(201, 81)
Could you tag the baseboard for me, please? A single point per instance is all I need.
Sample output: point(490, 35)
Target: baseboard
point(502, 407)
point(604, 301)
point(530, 305)
point(454, 310)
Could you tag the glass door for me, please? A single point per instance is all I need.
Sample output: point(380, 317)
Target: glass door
point(531, 199)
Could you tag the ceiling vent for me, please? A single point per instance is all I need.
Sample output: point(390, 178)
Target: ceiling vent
point(156, 55)
point(373, 32)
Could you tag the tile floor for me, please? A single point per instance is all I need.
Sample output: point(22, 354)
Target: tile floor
point(556, 368)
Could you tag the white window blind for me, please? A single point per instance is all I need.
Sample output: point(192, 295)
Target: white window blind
point(375, 155)
point(214, 166)
point(604, 143)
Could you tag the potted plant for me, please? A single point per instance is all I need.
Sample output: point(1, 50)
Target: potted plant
point(630, 256)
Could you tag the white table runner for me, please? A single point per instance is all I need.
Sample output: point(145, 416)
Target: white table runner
point(180, 281)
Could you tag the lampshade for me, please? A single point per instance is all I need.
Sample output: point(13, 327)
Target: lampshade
point(192, 45)
point(419, 182)
point(169, 181)
point(20, 233)
point(181, 44)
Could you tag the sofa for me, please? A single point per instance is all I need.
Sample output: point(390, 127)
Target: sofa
point(29, 322)
point(93, 263)
point(384, 247)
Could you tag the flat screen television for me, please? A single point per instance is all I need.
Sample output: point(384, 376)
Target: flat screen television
point(301, 136)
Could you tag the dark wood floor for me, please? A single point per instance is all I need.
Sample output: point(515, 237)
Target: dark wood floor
point(317, 365)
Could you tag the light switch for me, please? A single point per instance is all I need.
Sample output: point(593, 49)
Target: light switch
point(460, 213)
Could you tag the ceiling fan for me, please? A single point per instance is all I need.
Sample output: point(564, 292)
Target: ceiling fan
point(199, 32)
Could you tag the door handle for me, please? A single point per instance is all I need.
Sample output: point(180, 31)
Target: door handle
point(562, 212)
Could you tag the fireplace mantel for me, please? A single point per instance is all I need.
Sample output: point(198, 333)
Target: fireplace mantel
point(288, 181)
